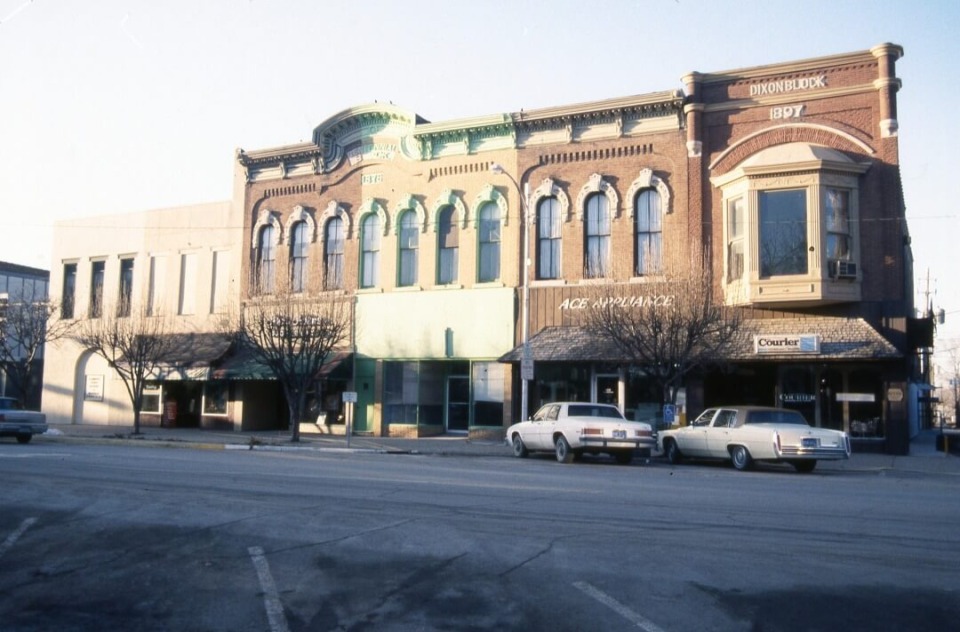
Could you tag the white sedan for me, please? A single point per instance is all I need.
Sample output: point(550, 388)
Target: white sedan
point(744, 434)
point(570, 429)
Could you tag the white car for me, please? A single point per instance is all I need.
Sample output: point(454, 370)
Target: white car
point(570, 429)
point(20, 423)
point(744, 434)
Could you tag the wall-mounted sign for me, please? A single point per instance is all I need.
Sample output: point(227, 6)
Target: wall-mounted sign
point(856, 397)
point(788, 85)
point(786, 343)
point(372, 151)
point(93, 388)
point(655, 300)
point(797, 398)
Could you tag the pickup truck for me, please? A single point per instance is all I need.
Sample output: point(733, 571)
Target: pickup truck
point(570, 429)
point(20, 423)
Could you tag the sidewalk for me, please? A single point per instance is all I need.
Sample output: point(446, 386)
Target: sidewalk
point(923, 457)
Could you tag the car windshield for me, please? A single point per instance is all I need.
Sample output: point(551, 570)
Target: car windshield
point(7, 403)
point(776, 417)
point(587, 410)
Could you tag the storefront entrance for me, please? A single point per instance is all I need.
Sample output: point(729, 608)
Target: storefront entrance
point(458, 403)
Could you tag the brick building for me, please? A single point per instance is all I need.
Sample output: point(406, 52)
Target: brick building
point(786, 175)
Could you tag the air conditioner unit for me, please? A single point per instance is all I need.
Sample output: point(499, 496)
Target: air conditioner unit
point(843, 269)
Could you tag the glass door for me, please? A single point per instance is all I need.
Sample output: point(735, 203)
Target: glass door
point(458, 403)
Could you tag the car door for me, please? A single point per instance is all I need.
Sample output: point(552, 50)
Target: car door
point(719, 433)
point(541, 428)
point(693, 439)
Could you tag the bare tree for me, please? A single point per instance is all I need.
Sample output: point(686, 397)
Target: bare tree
point(27, 324)
point(134, 343)
point(675, 326)
point(293, 335)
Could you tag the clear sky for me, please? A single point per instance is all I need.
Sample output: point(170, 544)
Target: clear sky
point(110, 106)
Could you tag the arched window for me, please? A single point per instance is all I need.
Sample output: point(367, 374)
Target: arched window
point(548, 239)
point(266, 258)
point(448, 246)
point(370, 251)
point(489, 235)
point(298, 257)
point(648, 254)
point(409, 242)
point(333, 255)
point(596, 249)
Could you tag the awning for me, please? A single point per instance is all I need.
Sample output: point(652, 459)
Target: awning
point(244, 366)
point(190, 356)
point(839, 339)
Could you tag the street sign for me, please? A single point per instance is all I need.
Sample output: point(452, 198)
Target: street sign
point(669, 413)
point(350, 396)
point(526, 368)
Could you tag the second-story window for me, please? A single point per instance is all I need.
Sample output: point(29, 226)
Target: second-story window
point(126, 287)
point(266, 259)
point(97, 269)
point(783, 232)
point(837, 215)
point(333, 255)
point(298, 257)
point(448, 246)
point(489, 221)
point(736, 231)
point(370, 251)
point(597, 237)
point(548, 239)
point(409, 242)
point(69, 296)
point(649, 230)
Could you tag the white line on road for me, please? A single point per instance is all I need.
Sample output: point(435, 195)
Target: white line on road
point(13, 537)
point(271, 598)
point(625, 612)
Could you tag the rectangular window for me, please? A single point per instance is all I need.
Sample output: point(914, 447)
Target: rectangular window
point(488, 393)
point(158, 284)
point(735, 239)
point(221, 282)
point(783, 232)
point(188, 284)
point(215, 397)
point(152, 396)
point(448, 242)
point(69, 296)
point(126, 287)
point(400, 392)
point(836, 206)
point(548, 239)
point(97, 269)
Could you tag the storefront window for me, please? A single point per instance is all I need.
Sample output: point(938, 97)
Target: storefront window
point(215, 397)
point(487, 384)
point(865, 404)
point(152, 396)
point(561, 383)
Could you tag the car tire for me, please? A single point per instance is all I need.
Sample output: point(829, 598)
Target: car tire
point(741, 458)
point(519, 449)
point(804, 467)
point(24, 438)
point(563, 450)
point(623, 457)
point(672, 451)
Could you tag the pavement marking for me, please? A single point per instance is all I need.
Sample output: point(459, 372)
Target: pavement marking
point(271, 598)
point(13, 537)
point(640, 621)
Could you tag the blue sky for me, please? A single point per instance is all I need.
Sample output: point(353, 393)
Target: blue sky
point(125, 105)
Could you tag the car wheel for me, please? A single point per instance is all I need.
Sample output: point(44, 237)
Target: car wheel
point(24, 438)
point(804, 467)
point(564, 452)
point(741, 458)
point(519, 449)
point(623, 457)
point(673, 452)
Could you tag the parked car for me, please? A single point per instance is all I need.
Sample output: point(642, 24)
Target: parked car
point(571, 429)
point(745, 434)
point(20, 423)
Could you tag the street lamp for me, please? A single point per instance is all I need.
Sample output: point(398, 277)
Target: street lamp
point(526, 362)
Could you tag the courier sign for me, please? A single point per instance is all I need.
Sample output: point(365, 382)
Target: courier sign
point(801, 343)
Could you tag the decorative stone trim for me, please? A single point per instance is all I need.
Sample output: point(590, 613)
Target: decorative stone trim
point(373, 206)
point(408, 202)
point(449, 198)
point(335, 209)
point(266, 217)
point(548, 188)
point(489, 193)
point(646, 180)
point(596, 184)
point(300, 214)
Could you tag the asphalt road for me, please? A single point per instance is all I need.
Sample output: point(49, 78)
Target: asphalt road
point(143, 538)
